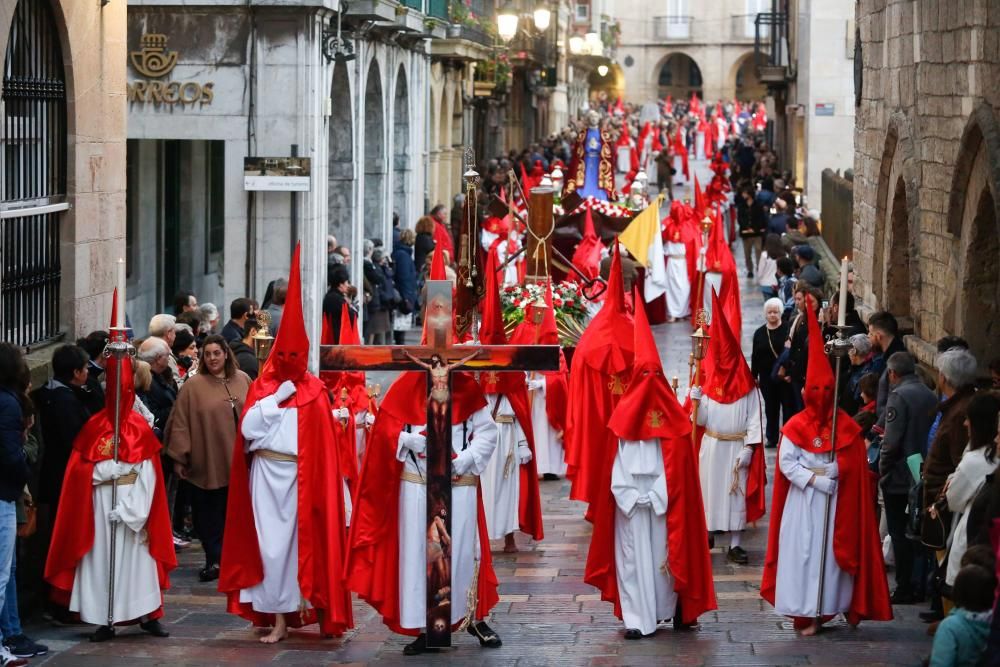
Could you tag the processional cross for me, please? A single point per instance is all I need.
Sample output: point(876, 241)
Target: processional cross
point(439, 358)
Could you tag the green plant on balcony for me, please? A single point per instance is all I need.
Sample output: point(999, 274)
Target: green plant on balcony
point(494, 74)
point(460, 13)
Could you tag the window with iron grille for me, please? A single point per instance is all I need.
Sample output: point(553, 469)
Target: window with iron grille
point(32, 176)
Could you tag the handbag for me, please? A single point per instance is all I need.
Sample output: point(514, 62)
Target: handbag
point(934, 530)
point(781, 363)
point(30, 525)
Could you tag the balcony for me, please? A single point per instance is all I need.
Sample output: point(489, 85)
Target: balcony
point(672, 28)
point(437, 9)
point(466, 37)
point(771, 49)
point(742, 28)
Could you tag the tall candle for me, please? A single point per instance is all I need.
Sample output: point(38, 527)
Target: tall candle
point(842, 306)
point(120, 315)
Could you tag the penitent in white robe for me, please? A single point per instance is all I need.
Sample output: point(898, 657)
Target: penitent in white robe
point(274, 496)
point(137, 584)
point(678, 283)
point(713, 281)
point(472, 458)
point(500, 480)
point(549, 455)
point(726, 509)
point(645, 586)
point(800, 542)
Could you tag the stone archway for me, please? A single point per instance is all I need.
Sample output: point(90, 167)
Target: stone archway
point(400, 147)
point(743, 79)
point(973, 309)
point(895, 278)
point(679, 75)
point(340, 180)
point(375, 159)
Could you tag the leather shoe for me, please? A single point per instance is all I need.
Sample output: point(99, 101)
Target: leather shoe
point(632, 633)
point(154, 628)
point(103, 634)
point(418, 646)
point(209, 573)
point(738, 556)
point(903, 597)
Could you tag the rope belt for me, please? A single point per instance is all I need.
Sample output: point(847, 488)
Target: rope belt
point(819, 472)
point(726, 437)
point(276, 456)
point(676, 256)
point(124, 480)
point(504, 419)
point(460, 480)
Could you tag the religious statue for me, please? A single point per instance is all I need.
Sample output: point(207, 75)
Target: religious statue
point(590, 169)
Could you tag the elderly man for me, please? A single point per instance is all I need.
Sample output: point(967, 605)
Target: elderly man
point(908, 415)
point(163, 326)
point(162, 392)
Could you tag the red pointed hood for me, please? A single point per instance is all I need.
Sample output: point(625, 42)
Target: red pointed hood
point(649, 408)
point(289, 355)
point(348, 330)
point(492, 330)
point(606, 344)
point(818, 392)
point(699, 200)
point(587, 256)
point(717, 254)
point(545, 333)
point(113, 367)
point(727, 377)
point(616, 283)
point(624, 138)
point(437, 266)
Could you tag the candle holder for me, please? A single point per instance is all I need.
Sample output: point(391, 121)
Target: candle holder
point(263, 340)
point(699, 339)
point(538, 308)
point(839, 346)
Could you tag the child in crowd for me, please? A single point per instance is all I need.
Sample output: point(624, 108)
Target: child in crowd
point(961, 637)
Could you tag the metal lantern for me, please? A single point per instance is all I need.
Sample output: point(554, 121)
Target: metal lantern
point(263, 340)
point(507, 19)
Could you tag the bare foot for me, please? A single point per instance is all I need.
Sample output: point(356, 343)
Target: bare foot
point(810, 630)
point(509, 546)
point(279, 632)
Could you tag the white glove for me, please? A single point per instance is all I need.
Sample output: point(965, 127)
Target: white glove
point(114, 517)
point(414, 442)
point(695, 393)
point(286, 389)
point(643, 500)
point(369, 419)
point(746, 455)
point(341, 413)
point(523, 453)
point(536, 384)
point(120, 470)
point(832, 470)
point(825, 485)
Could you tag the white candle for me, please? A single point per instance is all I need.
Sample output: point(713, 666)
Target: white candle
point(120, 315)
point(842, 306)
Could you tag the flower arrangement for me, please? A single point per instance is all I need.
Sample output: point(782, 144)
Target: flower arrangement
point(567, 302)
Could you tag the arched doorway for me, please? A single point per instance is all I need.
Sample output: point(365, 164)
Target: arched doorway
point(401, 141)
point(981, 284)
point(896, 293)
point(340, 186)
point(746, 84)
point(33, 170)
point(374, 196)
point(678, 75)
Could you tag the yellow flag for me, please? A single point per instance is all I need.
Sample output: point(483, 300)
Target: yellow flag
point(641, 232)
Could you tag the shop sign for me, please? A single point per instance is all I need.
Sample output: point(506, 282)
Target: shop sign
point(277, 174)
point(155, 63)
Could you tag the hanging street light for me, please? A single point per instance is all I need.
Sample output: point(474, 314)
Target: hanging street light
point(542, 18)
point(577, 45)
point(507, 22)
point(602, 70)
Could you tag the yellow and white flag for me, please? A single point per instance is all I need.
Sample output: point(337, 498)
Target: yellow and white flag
point(643, 240)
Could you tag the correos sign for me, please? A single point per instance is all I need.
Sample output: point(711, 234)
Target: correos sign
point(154, 63)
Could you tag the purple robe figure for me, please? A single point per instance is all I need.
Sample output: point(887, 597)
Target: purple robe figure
point(592, 165)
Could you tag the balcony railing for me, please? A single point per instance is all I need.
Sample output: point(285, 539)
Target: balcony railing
point(743, 28)
point(771, 47)
point(672, 28)
point(437, 9)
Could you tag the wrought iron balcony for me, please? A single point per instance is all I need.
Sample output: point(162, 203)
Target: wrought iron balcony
point(771, 48)
point(743, 28)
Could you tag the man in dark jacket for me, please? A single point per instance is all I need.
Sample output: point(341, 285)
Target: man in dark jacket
point(809, 271)
point(883, 332)
point(336, 297)
point(62, 411)
point(243, 349)
point(240, 310)
point(909, 412)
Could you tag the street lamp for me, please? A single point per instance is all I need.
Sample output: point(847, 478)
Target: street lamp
point(507, 22)
point(594, 43)
point(602, 70)
point(576, 45)
point(542, 18)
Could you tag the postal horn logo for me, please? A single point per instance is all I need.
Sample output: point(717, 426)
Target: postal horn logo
point(153, 61)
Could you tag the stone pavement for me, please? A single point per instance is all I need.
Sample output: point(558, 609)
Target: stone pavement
point(546, 616)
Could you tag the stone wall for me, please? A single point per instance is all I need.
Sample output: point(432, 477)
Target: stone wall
point(837, 207)
point(927, 167)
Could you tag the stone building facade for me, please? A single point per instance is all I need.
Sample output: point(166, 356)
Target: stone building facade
point(927, 168)
point(62, 210)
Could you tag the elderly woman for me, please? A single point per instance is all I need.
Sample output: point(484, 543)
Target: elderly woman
point(768, 341)
point(859, 355)
point(200, 437)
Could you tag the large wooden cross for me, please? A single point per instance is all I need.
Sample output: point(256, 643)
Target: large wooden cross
point(438, 358)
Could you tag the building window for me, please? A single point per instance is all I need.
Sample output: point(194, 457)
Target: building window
point(694, 75)
point(583, 11)
point(32, 176)
point(215, 217)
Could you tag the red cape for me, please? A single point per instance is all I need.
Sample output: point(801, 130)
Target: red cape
point(856, 544)
point(322, 536)
point(689, 560)
point(73, 533)
point(372, 569)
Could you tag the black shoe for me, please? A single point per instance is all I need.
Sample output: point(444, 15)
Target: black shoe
point(749, 274)
point(21, 646)
point(931, 616)
point(550, 477)
point(418, 646)
point(738, 556)
point(154, 628)
point(903, 597)
point(103, 634)
point(486, 636)
point(209, 573)
point(632, 633)
point(711, 541)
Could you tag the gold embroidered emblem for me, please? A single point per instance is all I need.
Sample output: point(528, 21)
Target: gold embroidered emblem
point(677, 236)
point(492, 377)
point(616, 386)
point(653, 418)
point(107, 444)
point(718, 390)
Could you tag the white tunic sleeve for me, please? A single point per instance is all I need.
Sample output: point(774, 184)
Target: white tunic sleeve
point(134, 500)
point(623, 486)
point(755, 434)
point(473, 459)
point(790, 464)
point(262, 418)
point(704, 407)
point(658, 494)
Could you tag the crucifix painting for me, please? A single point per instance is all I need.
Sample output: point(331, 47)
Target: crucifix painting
point(439, 358)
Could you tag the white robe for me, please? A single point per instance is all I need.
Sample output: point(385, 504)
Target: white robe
point(274, 497)
point(800, 542)
point(470, 460)
point(500, 480)
point(678, 283)
point(137, 585)
point(645, 586)
point(549, 455)
point(713, 281)
point(724, 509)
